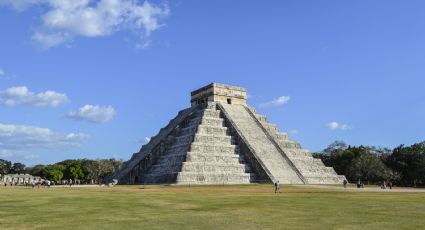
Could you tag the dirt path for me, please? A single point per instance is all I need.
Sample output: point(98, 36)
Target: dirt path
point(366, 189)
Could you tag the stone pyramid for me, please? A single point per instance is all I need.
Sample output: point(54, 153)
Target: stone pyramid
point(221, 140)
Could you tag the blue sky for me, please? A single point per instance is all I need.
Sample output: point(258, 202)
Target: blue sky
point(93, 79)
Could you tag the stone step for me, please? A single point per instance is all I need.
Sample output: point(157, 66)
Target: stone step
point(317, 171)
point(213, 130)
point(213, 158)
point(272, 128)
point(177, 148)
point(190, 130)
point(309, 166)
point(307, 159)
point(209, 113)
point(174, 152)
point(293, 153)
point(332, 170)
point(173, 157)
point(178, 166)
point(325, 180)
point(288, 144)
point(213, 178)
point(211, 105)
point(204, 138)
point(202, 167)
point(319, 175)
point(177, 145)
point(198, 178)
point(230, 158)
point(204, 129)
point(194, 121)
point(165, 178)
point(281, 136)
point(221, 139)
point(166, 167)
point(184, 140)
point(219, 122)
point(213, 148)
point(262, 118)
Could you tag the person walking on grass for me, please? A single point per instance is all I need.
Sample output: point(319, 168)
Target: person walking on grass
point(276, 187)
point(345, 182)
point(383, 185)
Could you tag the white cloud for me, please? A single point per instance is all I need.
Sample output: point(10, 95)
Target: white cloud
point(5, 153)
point(294, 132)
point(144, 45)
point(276, 102)
point(21, 137)
point(2, 73)
point(31, 157)
point(93, 113)
point(22, 96)
point(144, 140)
point(337, 126)
point(62, 20)
point(51, 39)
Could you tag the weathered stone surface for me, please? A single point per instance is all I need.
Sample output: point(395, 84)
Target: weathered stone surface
point(313, 170)
point(279, 166)
point(200, 154)
point(19, 179)
point(220, 140)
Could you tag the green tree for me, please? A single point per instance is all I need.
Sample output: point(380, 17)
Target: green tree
point(91, 168)
point(108, 166)
point(368, 167)
point(409, 162)
point(74, 170)
point(17, 168)
point(339, 156)
point(5, 167)
point(36, 170)
point(53, 173)
point(358, 162)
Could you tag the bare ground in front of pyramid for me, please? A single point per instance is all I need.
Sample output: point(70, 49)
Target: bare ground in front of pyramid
point(211, 207)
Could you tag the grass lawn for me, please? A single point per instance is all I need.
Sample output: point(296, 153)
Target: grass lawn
point(208, 207)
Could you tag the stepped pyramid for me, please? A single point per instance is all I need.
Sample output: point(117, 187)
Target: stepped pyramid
point(221, 140)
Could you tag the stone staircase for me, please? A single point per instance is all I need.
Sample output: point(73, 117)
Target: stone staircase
point(277, 164)
point(202, 153)
point(312, 169)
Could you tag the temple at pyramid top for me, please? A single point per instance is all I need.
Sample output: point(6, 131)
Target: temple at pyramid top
point(222, 140)
point(216, 92)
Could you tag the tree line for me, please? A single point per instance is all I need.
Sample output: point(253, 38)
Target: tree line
point(80, 169)
point(403, 165)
